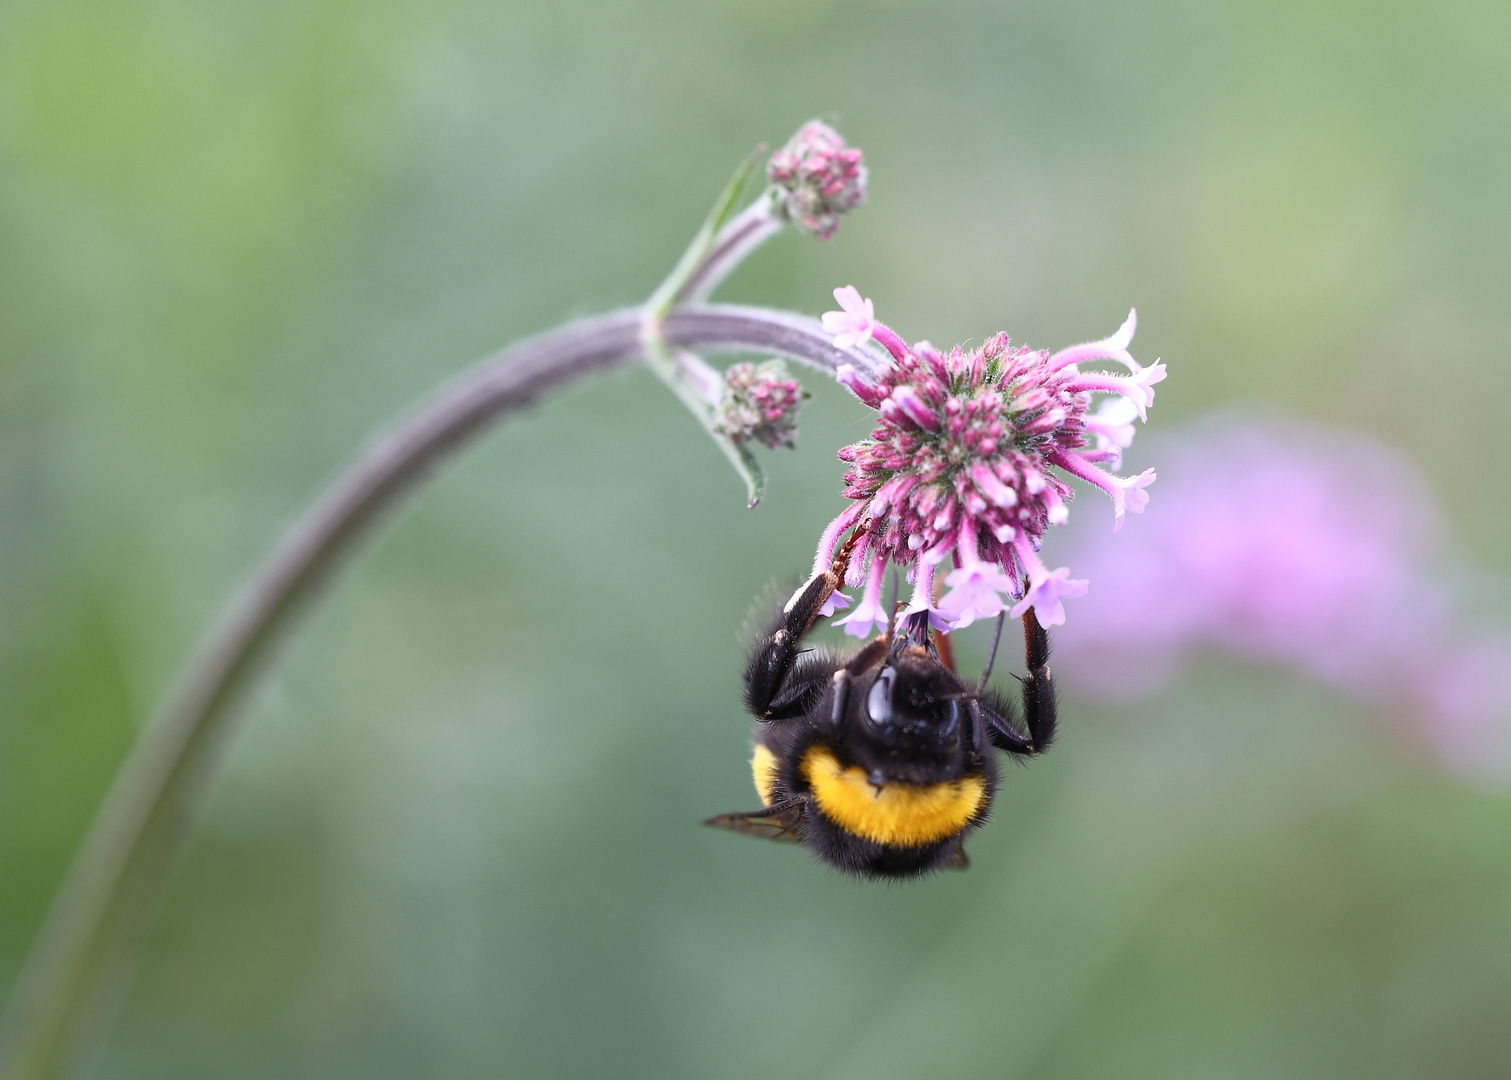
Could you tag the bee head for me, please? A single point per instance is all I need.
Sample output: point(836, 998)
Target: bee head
point(913, 703)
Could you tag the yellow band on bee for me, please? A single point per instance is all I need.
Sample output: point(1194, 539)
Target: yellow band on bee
point(902, 815)
point(763, 768)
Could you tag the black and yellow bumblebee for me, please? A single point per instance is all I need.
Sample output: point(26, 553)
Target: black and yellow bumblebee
point(880, 761)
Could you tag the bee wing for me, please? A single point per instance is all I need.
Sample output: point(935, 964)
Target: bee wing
point(958, 860)
point(770, 823)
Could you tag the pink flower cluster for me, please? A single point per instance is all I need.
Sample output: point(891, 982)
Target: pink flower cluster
point(959, 466)
point(760, 402)
point(1321, 551)
point(818, 178)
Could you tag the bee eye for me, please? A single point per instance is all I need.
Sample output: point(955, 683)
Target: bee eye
point(947, 717)
point(879, 700)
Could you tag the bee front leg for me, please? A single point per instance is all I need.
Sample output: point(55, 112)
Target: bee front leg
point(771, 692)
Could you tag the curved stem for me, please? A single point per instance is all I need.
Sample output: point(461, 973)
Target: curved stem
point(64, 1000)
point(751, 228)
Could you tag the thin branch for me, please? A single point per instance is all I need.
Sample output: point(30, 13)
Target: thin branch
point(743, 234)
point(64, 1001)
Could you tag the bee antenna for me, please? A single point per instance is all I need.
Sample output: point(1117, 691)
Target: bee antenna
point(991, 656)
point(892, 608)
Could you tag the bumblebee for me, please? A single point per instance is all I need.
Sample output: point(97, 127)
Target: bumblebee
point(880, 761)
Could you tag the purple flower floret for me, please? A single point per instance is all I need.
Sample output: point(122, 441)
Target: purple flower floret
point(961, 465)
point(975, 586)
point(760, 402)
point(853, 324)
point(869, 613)
point(818, 178)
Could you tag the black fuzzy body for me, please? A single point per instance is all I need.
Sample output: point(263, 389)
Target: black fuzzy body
point(922, 726)
point(790, 740)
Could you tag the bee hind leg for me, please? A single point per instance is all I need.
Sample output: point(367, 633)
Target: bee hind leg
point(1038, 687)
point(1037, 695)
point(1001, 733)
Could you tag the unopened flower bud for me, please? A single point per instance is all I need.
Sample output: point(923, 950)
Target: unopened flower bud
point(818, 178)
point(760, 402)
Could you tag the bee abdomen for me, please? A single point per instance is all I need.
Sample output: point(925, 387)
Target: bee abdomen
point(892, 813)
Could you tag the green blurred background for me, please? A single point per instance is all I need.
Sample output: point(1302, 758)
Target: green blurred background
point(458, 837)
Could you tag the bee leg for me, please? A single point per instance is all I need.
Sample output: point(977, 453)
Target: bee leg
point(772, 663)
point(800, 693)
point(999, 731)
point(1038, 687)
point(767, 694)
point(1038, 695)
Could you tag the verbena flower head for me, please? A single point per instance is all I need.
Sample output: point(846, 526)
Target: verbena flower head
point(818, 178)
point(965, 468)
point(760, 402)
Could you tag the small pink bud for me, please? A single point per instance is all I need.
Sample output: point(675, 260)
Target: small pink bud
point(852, 380)
point(818, 178)
point(911, 403)
point(995, 490)
point(760, 402)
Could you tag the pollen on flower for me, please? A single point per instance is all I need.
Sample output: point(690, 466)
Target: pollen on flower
point(818, 177)
point(968, 461)
point(760, 402)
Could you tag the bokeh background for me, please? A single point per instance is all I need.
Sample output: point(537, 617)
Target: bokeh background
point(458, 837)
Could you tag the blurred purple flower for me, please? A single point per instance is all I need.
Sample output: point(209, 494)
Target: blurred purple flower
point(1280, 544)
point(1468, 707)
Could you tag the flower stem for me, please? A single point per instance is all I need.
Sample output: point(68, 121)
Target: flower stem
point(710, 238)
point(715, 251)
point(63, 1003)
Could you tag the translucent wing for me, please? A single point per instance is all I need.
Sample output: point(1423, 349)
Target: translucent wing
point(770, 823)
point(958, 860)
